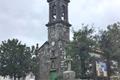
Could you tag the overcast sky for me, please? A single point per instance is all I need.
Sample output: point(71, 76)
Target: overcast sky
point(26, 19)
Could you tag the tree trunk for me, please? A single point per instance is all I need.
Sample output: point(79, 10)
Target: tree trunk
point(18, 78)
point(108, 67)
point(14, 78)
point(36, 77)
point(82, 67)
point(94, 70)
point(23, 78)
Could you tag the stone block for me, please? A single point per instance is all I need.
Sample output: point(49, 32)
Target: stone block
point(69, 75)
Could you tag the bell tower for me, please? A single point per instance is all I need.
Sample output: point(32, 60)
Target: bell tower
point(58, 32)
point(58, 25)
point(58, 11)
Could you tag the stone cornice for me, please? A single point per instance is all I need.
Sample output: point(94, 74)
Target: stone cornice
point(62, 22)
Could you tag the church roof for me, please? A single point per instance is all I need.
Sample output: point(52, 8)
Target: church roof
point(46, 43)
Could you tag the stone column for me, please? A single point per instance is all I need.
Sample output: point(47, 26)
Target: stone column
point(69, 74)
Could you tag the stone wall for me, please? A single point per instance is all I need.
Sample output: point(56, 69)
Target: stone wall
point(44, 64)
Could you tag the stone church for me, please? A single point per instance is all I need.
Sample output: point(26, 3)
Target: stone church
point(52, 52)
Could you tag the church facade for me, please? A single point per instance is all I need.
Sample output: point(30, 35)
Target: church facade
point(52, 52)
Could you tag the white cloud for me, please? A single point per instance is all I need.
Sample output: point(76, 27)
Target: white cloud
point(23, 19)
point(99, 12)
point(26, 19)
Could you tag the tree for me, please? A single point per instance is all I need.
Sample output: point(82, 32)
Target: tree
point(14, 59)
point(110, 44)
point(79, 48)
point(35, 61)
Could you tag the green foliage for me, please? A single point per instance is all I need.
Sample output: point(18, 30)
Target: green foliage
point(110, 45)
point(35, 61)
point(14, 59)
point(110, 41)
point(85, 41)
point(79, 49)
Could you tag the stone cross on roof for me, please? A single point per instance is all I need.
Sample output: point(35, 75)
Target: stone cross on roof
point(69, 60)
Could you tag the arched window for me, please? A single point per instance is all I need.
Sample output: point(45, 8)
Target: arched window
point(54, 12)
point(63, 12)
